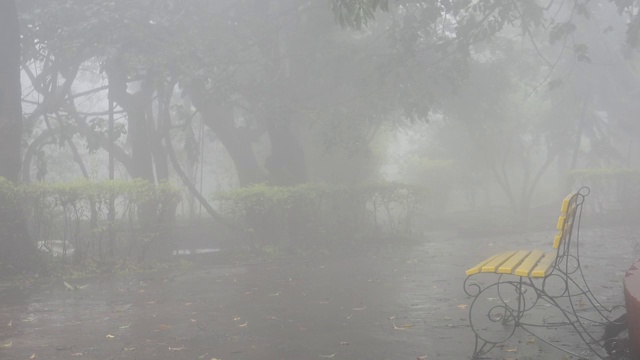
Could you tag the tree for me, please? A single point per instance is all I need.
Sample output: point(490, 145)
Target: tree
point(14, 240)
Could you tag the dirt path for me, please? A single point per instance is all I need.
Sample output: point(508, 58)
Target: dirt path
point(387, 302)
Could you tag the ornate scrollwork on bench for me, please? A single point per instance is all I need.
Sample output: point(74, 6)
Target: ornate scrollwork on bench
point(524, 281)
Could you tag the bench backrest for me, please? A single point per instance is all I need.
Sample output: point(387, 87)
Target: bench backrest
point(570, 213)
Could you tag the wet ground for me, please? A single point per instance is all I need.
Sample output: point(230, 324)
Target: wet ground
point(381, 301)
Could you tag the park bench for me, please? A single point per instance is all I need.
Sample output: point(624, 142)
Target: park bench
point(526, 286)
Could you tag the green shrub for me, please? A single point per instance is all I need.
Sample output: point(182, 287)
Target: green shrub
point(320, 211)
point(77, 213)
point(612, 188)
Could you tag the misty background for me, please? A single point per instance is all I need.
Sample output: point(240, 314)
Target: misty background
point(279, 124)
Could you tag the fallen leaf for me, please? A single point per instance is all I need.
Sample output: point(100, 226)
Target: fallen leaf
point(10, 324)
point(328, 356)
point(422, 357)
point(129, 349)
point(176, 349)
point(515, 349)
point(236, 318)
point(276, 294)
point(402, 327)
point(462, 306)
point(360, 308)
point(77, 354)
point(124, 326)
point(243, 325)
point(164, 327)
point(33, 356)
point(110, 336)
point(531, 341)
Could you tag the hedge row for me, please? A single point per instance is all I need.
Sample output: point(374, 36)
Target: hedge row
point(74, 218)
point(310, 211)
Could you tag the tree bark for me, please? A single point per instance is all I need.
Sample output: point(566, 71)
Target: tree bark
point(14, 237)
point(286, 164)
point(219, 118)
point(10, 92)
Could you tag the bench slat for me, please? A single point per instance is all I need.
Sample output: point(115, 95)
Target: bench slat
point(527, 265)
point(493, 265)
point(545, 265)
point(557, 240)
point(560, 224)
point(478, 268)
point(565, 203)
point(515, 260)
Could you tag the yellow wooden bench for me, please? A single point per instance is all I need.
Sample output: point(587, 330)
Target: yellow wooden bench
point(531, 263)
point(519, 280)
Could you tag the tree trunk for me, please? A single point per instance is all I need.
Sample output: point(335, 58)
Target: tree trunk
point(221, 121)
point(14, 238)
point(286, 164)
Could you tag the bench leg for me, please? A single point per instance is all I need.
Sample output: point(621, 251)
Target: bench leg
point(576, 308)
point(481, 348)
point(495, 313)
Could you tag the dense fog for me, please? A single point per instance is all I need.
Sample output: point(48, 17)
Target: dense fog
point(258, 173)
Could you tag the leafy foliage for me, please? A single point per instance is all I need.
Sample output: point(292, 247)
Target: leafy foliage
point(613, 188)
point(78, 213)
point(310, 212)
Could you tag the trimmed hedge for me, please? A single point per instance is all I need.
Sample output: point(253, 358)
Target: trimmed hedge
point(320, 211)
point(77, 213)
